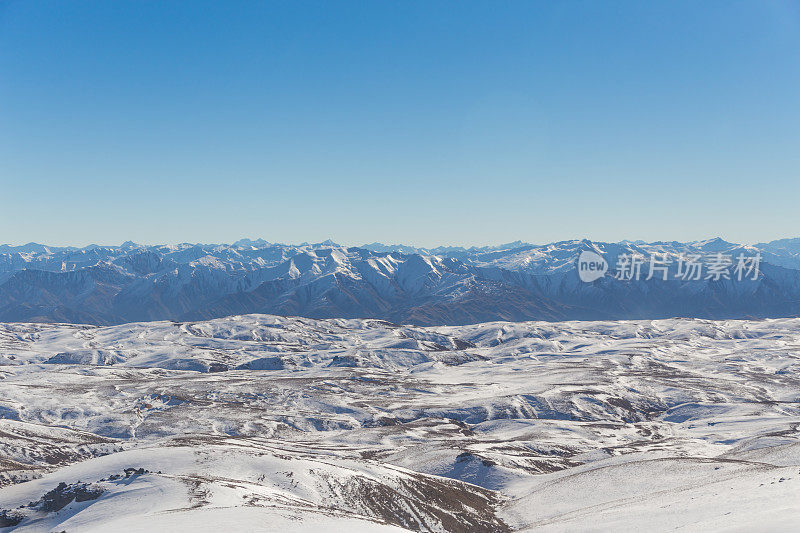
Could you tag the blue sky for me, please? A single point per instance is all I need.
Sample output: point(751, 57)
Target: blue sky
point(417, 122)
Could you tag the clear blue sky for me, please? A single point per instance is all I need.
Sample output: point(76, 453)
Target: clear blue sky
point(416, 122)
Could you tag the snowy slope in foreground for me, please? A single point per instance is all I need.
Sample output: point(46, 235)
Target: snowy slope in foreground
point(266, 423)
point(641, 494)
point(237, 485)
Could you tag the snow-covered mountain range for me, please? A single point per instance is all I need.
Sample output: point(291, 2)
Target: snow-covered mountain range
point(402, 284)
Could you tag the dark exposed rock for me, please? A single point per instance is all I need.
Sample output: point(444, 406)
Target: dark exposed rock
point(10, 518)
point(64, 494)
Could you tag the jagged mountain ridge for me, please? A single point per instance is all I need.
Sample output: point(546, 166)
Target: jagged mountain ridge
point(446, 285)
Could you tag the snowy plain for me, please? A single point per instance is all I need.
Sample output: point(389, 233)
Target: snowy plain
point(268, 423)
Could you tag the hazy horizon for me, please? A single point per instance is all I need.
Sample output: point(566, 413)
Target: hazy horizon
point(360, 244)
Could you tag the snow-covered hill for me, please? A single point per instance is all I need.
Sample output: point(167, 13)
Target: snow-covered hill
point(518, 281)
point(261, 422)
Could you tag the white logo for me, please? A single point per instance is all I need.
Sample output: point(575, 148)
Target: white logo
point(591, 266)
point(689, 267)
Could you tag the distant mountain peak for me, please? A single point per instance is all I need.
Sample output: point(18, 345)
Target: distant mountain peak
point(248, 242)
point(444, 285)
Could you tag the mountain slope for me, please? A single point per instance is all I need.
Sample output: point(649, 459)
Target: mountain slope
point(112, 285)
